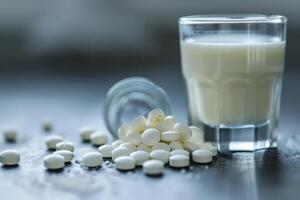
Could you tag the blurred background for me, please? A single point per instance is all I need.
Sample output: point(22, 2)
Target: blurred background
point(100, 34)
point(58, 58)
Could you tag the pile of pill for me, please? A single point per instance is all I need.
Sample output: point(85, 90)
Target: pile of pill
point(150, 142)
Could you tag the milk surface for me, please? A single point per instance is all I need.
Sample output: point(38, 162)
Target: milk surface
point(233, 79)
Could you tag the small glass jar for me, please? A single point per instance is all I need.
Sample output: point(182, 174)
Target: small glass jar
point(130, 98)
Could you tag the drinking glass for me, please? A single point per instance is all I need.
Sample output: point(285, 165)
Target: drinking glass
point(233, 67)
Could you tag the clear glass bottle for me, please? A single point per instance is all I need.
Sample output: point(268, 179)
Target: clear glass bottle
point(130, 98)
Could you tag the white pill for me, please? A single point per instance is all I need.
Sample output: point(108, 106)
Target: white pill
point(160, 154)
point(179, 151)
point(153, 167)
point(52, 140)
point(169, 136)
point(65, 146)
point(10, 157)
point(124, 128)
point(92, 159)
point(197, 135)
point(106, 150)
point(179, 161)
point(191, 146)
point(133, 137)
point(138, 124)
point(208, 146)
point(171, 119)
point(47, 125)
point(150, 136)
point(85, 132)
point(68, 155)
point(98, 138)
point(155, 116)
point(202, 156)
point(116, 143)
point(184, 130)
point(10, 135)
point(140, 157)
point(125, 163)
point(120, 151)
point(175, 145)
point(129, 146)
point(166, 125)
point(54, 161)
point(161, 146)
point(142, 147)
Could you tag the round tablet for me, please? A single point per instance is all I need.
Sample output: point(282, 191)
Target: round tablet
point(202, 156)
point(85, 132)
point(133, 137)
point(92, 159)
point(184, 130)
point(98, 138)
point(179, 161)
point(169, 136)
point(10, 157)
point(106, 150)
point(54, 161)
point(120, 151)
point(153, 167)
point(125, 163)
point(65, 146)
point(10, 135)
point(156, 116)
point(68, 155)
point(150, 136)
point(142, 147)
point(129, 146)
point(175, 145)
point(179, 151)
point(52, 140)
point(160, 154)
point(161, 146)
point(116, 143)
point(140, 157)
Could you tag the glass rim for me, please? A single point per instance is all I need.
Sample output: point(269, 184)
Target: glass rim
point(232, 18)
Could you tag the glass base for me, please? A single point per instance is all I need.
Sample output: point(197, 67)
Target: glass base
point(241, 138)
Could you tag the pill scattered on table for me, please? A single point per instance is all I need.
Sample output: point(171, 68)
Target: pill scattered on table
point(98, 138)
point(202, 156)
point(47, 125)
point(54, 162)
point(153, 167)
point(179, 161)
point(125, 163)
point(106, 150)
point(160, 154)
point(92, 159)
point(65, 146)
point(10, 135)
point(85, 133)
point(10, 157)
point(120, 151)
point(68, 155)
point(52, 140)
point(140, 157)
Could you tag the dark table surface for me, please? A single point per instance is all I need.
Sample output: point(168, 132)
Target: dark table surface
point(74, 99)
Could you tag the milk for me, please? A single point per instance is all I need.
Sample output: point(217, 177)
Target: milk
point(233, 79)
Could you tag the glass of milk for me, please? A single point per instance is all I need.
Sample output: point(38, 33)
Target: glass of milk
point(233, 67)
